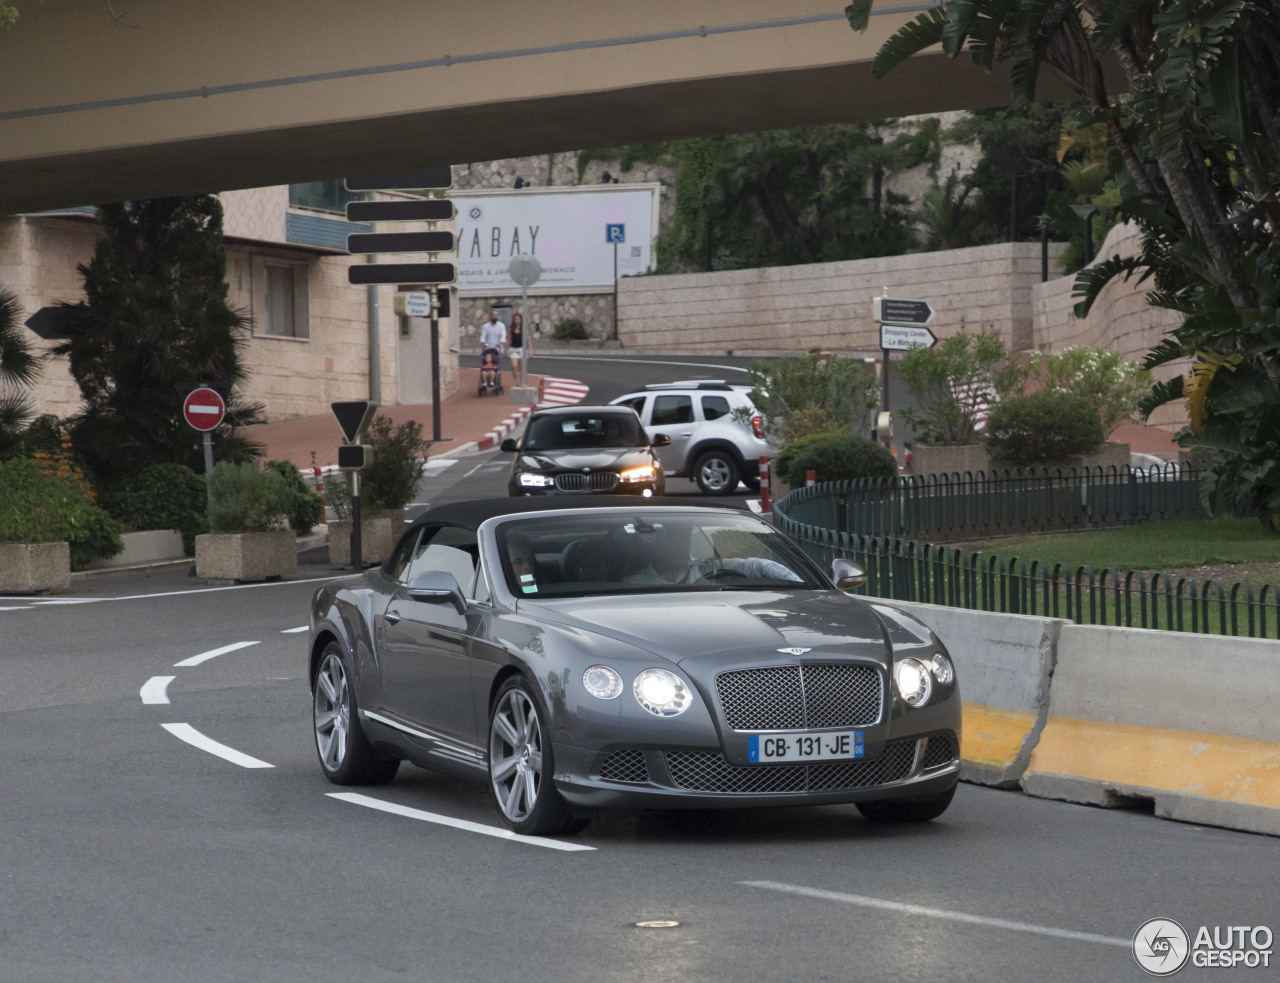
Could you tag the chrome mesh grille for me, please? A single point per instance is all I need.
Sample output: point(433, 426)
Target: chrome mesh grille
point(708, 771)
point(940, 750)
point(801, 697)
point(625, 766)
point(596, 481)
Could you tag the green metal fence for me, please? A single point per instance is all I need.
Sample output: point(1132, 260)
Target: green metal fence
point(906, 569)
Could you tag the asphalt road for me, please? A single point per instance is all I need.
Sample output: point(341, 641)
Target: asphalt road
point(163, 817)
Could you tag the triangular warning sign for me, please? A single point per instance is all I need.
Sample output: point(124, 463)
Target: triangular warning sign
point(353, 416)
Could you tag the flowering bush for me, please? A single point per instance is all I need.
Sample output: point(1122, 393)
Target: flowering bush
point(399, 459)
point(46, 498)
point(247, 499)
point(1112, 386)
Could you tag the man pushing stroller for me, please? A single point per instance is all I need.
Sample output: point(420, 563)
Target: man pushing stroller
point(493, 339)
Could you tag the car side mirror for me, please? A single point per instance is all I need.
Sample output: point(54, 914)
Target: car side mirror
point(660, 440)
point(847, 575)
point(437, 586)
point(508, 444)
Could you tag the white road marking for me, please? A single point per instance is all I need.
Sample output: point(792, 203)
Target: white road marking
point(25, 607)
point(195, 660)
point(153, 690)
point(954, 916)
point(295, 631)
point(185, 732)
point(355, 798)
point(437, 464)
point(198, 590)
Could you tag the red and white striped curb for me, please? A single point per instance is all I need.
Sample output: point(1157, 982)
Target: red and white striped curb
point(503, 428)
point(561, 392)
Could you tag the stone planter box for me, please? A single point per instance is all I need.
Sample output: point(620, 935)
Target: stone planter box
point(140, 548)
point(246, 555)
point(378, 537)
point(29, 568)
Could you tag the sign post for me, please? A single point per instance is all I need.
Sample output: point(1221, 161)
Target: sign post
point(204, 410)
point(526, 271)
point(353, 416)
point(616, 233)
point(902, 327)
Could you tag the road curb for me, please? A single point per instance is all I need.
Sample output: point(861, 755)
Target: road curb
point(503, 428)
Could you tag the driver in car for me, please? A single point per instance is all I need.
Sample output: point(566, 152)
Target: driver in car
point(671, 562)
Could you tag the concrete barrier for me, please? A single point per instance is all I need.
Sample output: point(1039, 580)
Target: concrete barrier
point(1004, 663)
point(1188, 722)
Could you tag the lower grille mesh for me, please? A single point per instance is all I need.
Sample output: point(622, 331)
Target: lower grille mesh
point(941, 750)
point(625, 766)
point(708, 771)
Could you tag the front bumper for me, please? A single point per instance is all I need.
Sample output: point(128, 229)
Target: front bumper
point(630, 489)
point(635, 778)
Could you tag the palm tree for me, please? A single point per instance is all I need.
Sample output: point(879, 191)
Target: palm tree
point(18, 368)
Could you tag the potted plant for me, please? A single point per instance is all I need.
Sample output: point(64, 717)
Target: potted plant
point(251, 539)
point(49, 522)
point(387, 486)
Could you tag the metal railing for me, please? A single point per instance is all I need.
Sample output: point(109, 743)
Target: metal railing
point(906, 569)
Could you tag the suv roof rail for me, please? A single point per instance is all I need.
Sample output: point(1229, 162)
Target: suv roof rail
point(691, 384)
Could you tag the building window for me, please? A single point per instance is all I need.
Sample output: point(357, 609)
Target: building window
point(281, 305)
point(323, 196)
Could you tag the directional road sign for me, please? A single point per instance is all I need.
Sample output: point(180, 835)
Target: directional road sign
point(900, 337)
point(203, 409)
point(615, 232)
point(893, 311)
point(422, 210)
point(353, 416)
point(426, 273)
point(417, 303)
point(432, 178)
point(400, 242)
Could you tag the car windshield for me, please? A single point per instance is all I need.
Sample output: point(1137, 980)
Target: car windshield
point(648, 551)
point(568, 431)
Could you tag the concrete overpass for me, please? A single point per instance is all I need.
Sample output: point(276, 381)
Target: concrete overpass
point(102, 100)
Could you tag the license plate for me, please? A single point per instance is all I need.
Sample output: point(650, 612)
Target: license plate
point(831, 745)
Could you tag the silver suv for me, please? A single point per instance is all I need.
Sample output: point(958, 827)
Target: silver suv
point(715, 430)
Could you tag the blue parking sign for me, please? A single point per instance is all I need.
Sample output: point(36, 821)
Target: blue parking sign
point(615, 232)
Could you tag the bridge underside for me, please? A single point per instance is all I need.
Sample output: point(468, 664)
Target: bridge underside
point(210, 97)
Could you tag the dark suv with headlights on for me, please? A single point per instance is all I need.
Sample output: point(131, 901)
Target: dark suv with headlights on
point(585, 450)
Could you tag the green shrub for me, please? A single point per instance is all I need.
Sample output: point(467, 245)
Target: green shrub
point(844, 458)
point(246, 499)
point(1046, 425)
point(784, 463)
point(46, 499)
point(970, 361)
point(399, 459)
point(1113, 387)
point(570, 329)
point(305, 506)
point(812, 394)
point(162, 496)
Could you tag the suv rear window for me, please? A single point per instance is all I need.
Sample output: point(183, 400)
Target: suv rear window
point(714, 407)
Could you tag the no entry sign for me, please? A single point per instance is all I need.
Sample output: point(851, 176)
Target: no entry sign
point(203, 408)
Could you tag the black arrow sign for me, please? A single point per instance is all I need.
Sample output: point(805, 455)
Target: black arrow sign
point(426, 210)
point(402, 273)
point(400, 242)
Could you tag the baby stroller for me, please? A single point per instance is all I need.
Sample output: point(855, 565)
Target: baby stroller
point(490, 373)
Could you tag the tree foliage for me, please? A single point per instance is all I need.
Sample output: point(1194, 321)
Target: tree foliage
point(154, 322)
point(18, 368)
point(1196, 146)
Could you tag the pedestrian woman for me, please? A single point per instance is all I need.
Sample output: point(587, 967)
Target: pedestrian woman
point(518, 348)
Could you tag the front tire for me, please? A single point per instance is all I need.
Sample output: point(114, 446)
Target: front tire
point(716, 473)
point(917, 810)
point(521, 765)
point(346, 756)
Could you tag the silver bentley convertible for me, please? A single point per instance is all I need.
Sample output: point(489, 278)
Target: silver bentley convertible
point(594, 659)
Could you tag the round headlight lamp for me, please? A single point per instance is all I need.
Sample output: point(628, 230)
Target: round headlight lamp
point(662, 693)
point(943, 671)
point(602, 683)
point(915, 682)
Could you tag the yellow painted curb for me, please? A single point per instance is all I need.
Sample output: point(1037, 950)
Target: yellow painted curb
point(1233, 769)
point(993, 737)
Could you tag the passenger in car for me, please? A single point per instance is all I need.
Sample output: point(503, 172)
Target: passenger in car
point(592, 562)
point(672, 562)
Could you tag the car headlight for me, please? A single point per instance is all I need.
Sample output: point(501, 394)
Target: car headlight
point(662, 693)
point(535, 480)
point(915, 682)
point(943, 671)
point(602, 682)
point(644, 473)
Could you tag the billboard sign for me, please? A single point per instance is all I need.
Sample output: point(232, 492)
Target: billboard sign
point(560, 227)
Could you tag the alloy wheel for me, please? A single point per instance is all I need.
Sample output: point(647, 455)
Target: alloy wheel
point(515, 756)
point(332, 712)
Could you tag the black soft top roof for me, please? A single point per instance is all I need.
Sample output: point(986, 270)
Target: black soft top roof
point(470, 514)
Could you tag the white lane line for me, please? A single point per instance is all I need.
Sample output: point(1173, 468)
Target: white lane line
point(153, 690)
point(195, 660)
point(954, 916)
point(25, 607)
point(185, 732)
point(294, 631)
point(355, 798)
point(199, 590)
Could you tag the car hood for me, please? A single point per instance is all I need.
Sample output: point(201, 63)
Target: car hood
point(587, 458)
point(725, 625)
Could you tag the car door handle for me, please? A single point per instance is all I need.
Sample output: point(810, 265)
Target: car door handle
point(391, 617)
point(687, 433)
